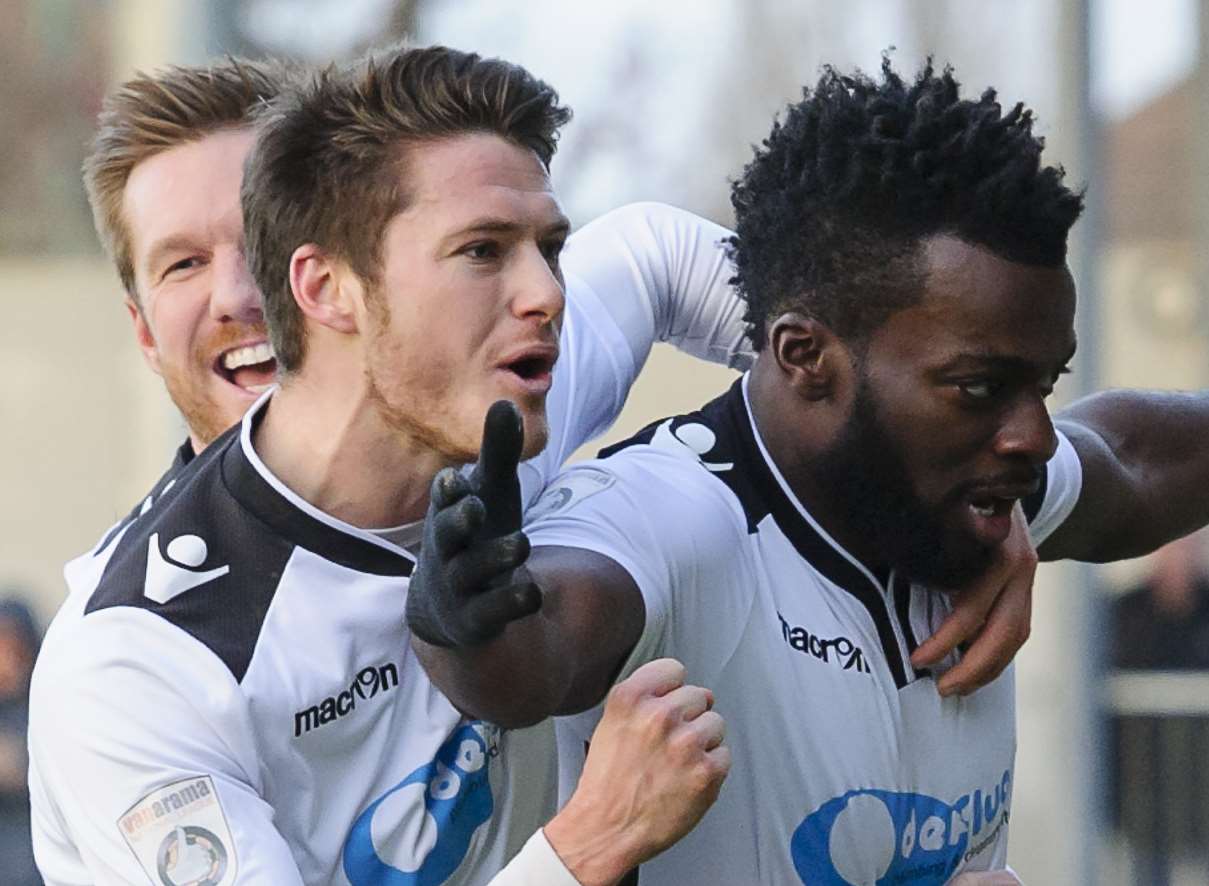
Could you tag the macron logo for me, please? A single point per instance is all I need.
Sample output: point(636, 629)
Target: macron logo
point(171, 576)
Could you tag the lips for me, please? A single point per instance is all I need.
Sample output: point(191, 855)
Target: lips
point(250, 366)
point(531, 367)
point(988, 508)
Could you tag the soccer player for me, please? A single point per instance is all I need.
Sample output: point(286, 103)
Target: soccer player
point(902, 253)
point(164, 181)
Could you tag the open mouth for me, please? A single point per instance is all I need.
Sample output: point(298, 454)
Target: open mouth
point(533, 367)
point(251, 367)
point(991, 506)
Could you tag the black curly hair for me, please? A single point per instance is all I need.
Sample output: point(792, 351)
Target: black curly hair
point(831, 212)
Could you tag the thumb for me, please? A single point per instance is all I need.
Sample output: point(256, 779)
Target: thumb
point(494, 478)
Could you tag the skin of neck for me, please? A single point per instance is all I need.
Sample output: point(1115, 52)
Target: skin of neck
point(798, 414)
point(323, 437)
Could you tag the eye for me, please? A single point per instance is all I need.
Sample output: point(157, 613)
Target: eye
point(552, 249)
point(184, 264)
point(981, 390)
point(482, 250)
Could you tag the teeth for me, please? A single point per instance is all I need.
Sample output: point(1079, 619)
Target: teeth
point(257, 389)
point(988, 511)
point(248, 356)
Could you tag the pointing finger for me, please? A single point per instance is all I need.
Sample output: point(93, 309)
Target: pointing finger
point(494, 477)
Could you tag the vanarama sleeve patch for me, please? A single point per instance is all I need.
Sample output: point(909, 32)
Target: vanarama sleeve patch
point(180, 835)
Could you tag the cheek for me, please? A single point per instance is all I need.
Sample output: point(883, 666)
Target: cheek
point(176, 321)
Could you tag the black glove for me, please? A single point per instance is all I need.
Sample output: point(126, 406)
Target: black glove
point(469, 582)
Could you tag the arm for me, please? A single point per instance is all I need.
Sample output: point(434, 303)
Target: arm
point(1145, 470)
point(662, 275)
point(622, 548)
point(119, 721)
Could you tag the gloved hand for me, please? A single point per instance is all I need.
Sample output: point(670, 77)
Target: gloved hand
point(469, 582)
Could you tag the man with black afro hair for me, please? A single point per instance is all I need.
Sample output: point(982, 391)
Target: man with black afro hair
point(902, 252)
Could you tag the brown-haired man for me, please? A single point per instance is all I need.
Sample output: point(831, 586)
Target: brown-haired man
point(352, 440)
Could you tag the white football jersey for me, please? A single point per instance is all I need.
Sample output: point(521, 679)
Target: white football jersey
point(848, 766)
point(228, 694)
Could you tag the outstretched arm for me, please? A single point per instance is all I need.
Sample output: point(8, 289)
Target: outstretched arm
point(509, 637)
point(1145, 466)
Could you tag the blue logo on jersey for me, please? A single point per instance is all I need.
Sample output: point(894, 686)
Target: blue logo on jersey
point(887, 837)
point(428, 818)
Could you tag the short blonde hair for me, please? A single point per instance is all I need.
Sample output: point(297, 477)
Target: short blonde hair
point(151, 113)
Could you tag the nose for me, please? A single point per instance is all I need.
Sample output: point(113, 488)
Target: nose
point(233, 292)
point(1027, 431)
point(540, 293)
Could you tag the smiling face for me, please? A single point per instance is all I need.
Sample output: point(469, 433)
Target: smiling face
point(198, 318)
point(470, 296)
point(949, 426)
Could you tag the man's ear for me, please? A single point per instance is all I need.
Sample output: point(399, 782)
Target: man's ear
point(325, 289)
point(143, 335)
point(809, 354)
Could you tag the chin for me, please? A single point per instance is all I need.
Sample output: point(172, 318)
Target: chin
point(537, 435)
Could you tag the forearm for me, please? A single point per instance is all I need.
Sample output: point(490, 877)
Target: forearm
point(1146, 473)
point(698, 311)
point(515, 680)
point(560, 660)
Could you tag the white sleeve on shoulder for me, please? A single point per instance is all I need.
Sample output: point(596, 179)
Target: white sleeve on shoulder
point(1063, 483)
point(640, 274)
point(142, 765)
point(674, 528)
point(662, 275)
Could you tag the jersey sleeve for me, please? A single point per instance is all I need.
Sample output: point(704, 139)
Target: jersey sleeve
point(143, 768)
point(662, 274)
point(678, 533)
point(641, 274)
point(1057, 498)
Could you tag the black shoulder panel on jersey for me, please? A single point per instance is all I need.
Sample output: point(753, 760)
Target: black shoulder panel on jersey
point(184, 455)
point(721, 434)
point(201, 562)
point(209, 556)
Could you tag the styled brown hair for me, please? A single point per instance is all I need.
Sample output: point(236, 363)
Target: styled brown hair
point(326, 166)
point(151, 113)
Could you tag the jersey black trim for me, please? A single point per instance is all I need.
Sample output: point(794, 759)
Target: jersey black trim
point(183, 456)
point(258, 496)
point(224, 612)
point(759, 493)
point(245, 527)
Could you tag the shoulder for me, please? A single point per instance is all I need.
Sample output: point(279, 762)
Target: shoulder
point(713, 445)
point(198, 562)
point(671, 485)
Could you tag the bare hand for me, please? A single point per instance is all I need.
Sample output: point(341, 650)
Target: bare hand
point(655, 766)
point(996, 612)
point(987, 878)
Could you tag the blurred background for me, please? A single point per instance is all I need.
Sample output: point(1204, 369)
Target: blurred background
point(1112, 774)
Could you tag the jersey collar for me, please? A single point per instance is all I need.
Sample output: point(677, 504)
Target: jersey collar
point(264, 495)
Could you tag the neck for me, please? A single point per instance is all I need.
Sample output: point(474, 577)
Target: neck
point(328, 444)
point(795, 436)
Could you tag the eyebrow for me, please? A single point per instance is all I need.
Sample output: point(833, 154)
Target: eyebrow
point(1002, 362)
point(494, 225)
